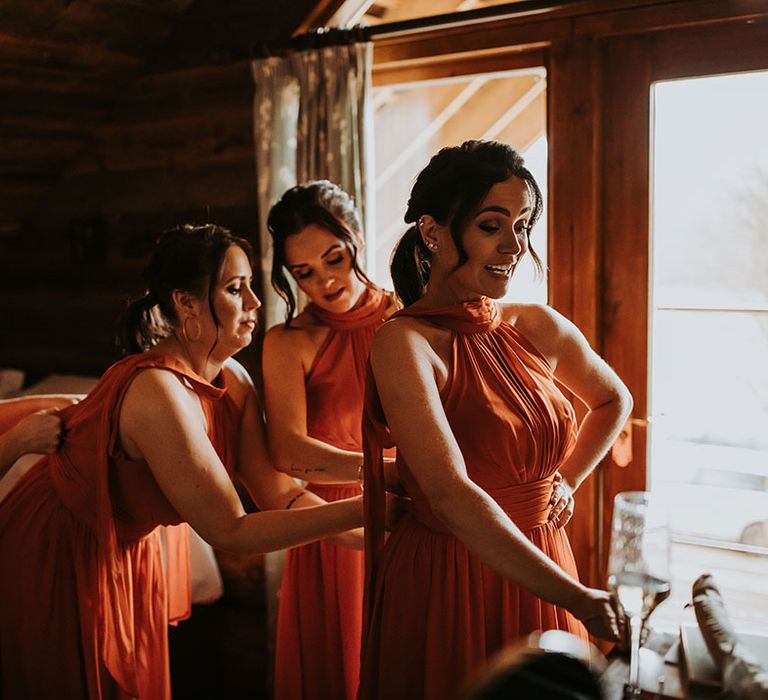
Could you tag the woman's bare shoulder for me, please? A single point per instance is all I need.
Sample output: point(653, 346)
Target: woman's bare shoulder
point(409, 339)
point(302, 335)
point(548, 330)
point(533, 318)
point(158, 396)
point(410, 327)
point(237, 380)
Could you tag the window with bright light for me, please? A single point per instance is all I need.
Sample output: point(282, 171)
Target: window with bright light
point(709, 336)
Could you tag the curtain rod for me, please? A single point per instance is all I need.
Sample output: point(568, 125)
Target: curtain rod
point(334, 36)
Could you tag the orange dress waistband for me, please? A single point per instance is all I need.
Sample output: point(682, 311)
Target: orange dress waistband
point(526, 504)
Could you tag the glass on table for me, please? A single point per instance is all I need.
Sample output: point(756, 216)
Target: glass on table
point(638, 566)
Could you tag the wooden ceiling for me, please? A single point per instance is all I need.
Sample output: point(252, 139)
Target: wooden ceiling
point(380, 11)
point(64, 65)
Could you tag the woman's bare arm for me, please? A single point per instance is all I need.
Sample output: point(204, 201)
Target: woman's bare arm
point(30, 425)
point(162, 420)
point(585, 374)
point(269, 488)
point(293, 450)
point(13, 410)
point(582, 371)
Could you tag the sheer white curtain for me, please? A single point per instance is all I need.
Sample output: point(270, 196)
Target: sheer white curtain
point(312, 120)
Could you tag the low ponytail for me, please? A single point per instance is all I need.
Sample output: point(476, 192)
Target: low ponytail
point(410, 266)
point(188, 258)
point(138, 328)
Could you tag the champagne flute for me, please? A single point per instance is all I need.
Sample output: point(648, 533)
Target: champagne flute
point(638, 567)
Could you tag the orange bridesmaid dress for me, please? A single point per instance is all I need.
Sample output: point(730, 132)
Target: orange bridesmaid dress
point(85, 596)
point(319, 622)
point(433, 611)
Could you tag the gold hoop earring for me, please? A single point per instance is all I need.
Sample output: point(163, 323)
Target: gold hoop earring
point(191, 337)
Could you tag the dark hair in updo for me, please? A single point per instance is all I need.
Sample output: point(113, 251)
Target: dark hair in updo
point(187, 258)
point(450, 189)
point(321, 203)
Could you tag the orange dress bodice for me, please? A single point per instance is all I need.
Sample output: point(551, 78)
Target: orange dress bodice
point(433, 610)
point(320, 616)
point(85, 612)
point(335, 383)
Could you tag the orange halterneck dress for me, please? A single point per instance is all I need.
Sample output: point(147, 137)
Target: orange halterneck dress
point(433, 611)
point(85, 596)
point(320, 616)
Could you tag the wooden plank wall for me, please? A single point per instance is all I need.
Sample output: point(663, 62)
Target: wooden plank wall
point(179, 148)
point(119, 119)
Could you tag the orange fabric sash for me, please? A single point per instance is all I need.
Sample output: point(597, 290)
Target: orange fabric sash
point(527, 505)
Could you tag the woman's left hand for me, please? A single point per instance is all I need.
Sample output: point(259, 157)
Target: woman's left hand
point(392, 480)
point(561, 502)
point(397, 508)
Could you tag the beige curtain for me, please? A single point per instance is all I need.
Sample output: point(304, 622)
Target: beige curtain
point(311, 121)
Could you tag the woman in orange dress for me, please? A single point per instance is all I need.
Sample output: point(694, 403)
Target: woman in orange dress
point(314, 382)
point(84, 600)
point(487, 444)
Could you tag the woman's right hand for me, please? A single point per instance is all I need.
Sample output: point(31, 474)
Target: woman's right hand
point(602, 615)
point(39, 433)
